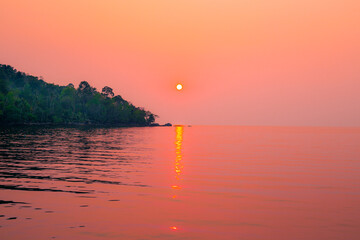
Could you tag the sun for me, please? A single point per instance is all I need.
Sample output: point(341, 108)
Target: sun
point(179, 87)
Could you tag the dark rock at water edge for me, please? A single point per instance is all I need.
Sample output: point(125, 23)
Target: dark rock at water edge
point(158, 125)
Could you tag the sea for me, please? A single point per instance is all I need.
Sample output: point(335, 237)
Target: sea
point(180, 182)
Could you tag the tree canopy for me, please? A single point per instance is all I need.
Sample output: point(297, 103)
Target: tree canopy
point(28, 99)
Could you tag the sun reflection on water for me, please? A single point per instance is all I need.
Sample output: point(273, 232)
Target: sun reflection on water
point(178, 160)
point(177, 164)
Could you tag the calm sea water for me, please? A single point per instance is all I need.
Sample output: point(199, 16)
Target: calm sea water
point(200, 182)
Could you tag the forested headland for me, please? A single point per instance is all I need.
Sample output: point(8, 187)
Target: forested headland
point(26, 99)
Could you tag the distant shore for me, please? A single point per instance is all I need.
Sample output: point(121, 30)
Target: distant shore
point(29, 100)
point(81, 125)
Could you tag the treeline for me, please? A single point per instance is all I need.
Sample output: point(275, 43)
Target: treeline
point(28, 99)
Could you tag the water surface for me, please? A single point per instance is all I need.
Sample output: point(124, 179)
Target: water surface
point(201, 182)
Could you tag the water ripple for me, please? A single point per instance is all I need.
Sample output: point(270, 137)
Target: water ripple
point(34, 157)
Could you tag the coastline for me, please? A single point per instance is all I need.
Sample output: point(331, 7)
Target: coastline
point(70, 125)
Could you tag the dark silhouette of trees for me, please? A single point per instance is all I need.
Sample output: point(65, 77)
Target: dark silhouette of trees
point(29, 99)
point(107, 92)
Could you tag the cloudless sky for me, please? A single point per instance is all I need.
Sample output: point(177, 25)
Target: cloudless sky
point(243, 62)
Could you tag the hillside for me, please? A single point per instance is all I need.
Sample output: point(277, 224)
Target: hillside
point(27, 99)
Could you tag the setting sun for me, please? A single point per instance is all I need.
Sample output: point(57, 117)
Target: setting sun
point(179, 87)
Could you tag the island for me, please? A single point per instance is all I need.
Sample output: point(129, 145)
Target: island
point(26, 99)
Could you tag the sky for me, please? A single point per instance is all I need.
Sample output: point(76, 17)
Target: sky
point(241, 62)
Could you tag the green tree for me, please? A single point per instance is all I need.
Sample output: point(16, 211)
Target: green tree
point(29, 99)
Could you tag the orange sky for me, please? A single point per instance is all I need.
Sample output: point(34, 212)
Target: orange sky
point(250, 62)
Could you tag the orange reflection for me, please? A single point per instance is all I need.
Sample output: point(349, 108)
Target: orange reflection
point(178, 163)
